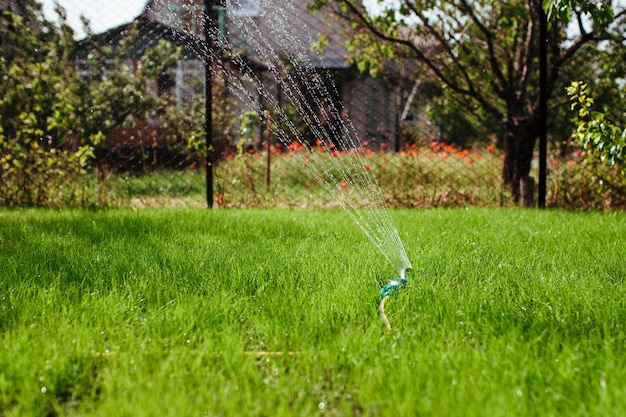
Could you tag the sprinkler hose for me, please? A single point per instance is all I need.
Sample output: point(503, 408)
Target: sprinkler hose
point(387, 291)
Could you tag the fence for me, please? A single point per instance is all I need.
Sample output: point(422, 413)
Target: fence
point(136, 100)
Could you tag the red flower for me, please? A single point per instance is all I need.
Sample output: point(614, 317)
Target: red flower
point(219, 198)
point(344, 185)
point(491, 149)
point(368, 167)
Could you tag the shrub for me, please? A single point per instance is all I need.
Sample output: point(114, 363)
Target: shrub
point(599, 137)
point(33, 173)
point(53, 123)
point(583, 184)
point(38, 110)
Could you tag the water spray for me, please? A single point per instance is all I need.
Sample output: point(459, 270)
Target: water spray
point(281, 46)
point(387, 291)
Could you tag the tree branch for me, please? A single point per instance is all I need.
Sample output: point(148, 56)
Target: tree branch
point(493, 61)
point(443, 42)
point(361, 16)
point(526, 60)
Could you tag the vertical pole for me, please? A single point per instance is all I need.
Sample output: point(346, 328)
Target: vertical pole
point(543, 106)
point(210, 39)
point(268, 141)
point(180, 83)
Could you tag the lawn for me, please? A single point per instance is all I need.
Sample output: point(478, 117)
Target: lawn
point(272, 312)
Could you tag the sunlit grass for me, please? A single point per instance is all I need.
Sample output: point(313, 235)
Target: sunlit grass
point(165, 312)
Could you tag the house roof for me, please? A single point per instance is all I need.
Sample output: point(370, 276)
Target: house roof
point(149, 33)
point(150, 30)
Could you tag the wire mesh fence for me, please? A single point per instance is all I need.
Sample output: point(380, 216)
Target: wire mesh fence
point(132, 118)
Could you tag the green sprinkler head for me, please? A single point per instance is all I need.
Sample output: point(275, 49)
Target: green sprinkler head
point(395, 284)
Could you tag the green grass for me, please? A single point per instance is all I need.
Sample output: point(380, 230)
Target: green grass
point(159, 312)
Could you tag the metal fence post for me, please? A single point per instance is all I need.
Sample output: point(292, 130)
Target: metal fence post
point(211, 16)
point(543, 106)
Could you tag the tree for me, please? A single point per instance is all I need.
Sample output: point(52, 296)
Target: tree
point(596, 130)
point(33, 67)
point(50, 118)
point(484, 52)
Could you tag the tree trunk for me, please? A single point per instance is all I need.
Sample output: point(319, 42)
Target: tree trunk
point(519, 143)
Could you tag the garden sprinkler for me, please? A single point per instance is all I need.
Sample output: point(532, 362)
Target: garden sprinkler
point(392, 287)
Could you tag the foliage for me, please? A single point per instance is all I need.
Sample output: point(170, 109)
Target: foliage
point(598, 136)
point(168, 133)
point(33, 173)
point(38, 111)
point(458, 127)
point(595, 182)
point(56, 111)
point(601, 12)
point(578, 183)
point(484, 52)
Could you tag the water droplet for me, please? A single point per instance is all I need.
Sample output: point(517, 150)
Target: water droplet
point(321, 405)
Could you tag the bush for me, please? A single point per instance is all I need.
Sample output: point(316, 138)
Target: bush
point(38, 104)
point(594, 176)
point(32, 173)
point(582, 184)
point(52, 122)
